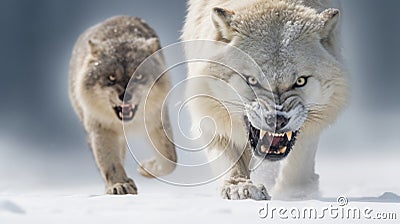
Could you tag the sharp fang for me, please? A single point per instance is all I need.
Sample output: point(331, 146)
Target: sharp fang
point(131, 114)
point(120, 114)
point(262, 134)
point(283, 150)
point(264, 149)
point(289, 135)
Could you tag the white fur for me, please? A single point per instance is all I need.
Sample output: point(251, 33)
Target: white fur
point(308, 47)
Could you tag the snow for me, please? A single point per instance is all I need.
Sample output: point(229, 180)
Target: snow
point(365, 182)
point(9, 206)
point(155, 207)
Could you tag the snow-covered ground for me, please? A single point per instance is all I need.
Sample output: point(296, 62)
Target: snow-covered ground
point(165, 206)
point(366, 183)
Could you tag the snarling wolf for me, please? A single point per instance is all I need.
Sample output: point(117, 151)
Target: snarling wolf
point(298, 90)
point(106, 89)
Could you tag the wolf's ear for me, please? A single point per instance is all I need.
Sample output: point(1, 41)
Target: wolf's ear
point(94, 47)
point(222, 19)
point(330, 18)
point(153, 44)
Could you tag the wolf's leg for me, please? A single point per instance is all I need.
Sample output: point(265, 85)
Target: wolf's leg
point(237, 184)
point(265, 172)
point(160, 135)
point(297, 179)
point(108, 149)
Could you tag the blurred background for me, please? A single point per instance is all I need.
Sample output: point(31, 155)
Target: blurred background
point(42, 143)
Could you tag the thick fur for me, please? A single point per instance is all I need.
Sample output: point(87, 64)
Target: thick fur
point(287, 39)
point(117, 47)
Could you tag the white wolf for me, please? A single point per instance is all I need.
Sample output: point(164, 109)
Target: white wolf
point(299, 89)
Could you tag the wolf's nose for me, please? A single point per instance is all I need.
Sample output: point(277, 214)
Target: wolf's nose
point(126, 95)
point(281, 122)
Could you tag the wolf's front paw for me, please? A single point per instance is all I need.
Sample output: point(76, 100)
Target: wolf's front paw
point(152, 168)
point(123, 188)
point(241, 189)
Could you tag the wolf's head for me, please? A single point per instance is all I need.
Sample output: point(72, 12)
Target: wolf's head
point(110, 70)
point(300, 85)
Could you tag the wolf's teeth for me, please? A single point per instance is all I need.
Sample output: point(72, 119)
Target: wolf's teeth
point(277, 135)
point(269, 133)
point(131, 114)
point(289, 135)
point(264, 149)
point(283, 150)
point(120, 114)
point(262, 134)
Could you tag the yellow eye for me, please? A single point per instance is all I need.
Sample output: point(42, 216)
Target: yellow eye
point(302, 81)
point(252, 81)
point(112, 77)
point(138, 76)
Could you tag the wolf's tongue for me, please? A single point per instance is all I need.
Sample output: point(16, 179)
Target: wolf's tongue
point(275, 141)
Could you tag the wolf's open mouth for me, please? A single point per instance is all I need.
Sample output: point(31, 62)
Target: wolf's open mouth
point(271, 146)
point(125, 112)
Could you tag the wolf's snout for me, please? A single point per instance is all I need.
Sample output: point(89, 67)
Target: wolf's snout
point(281, 122)
point(126, 110)
point(278, 122)
point(125, 95)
